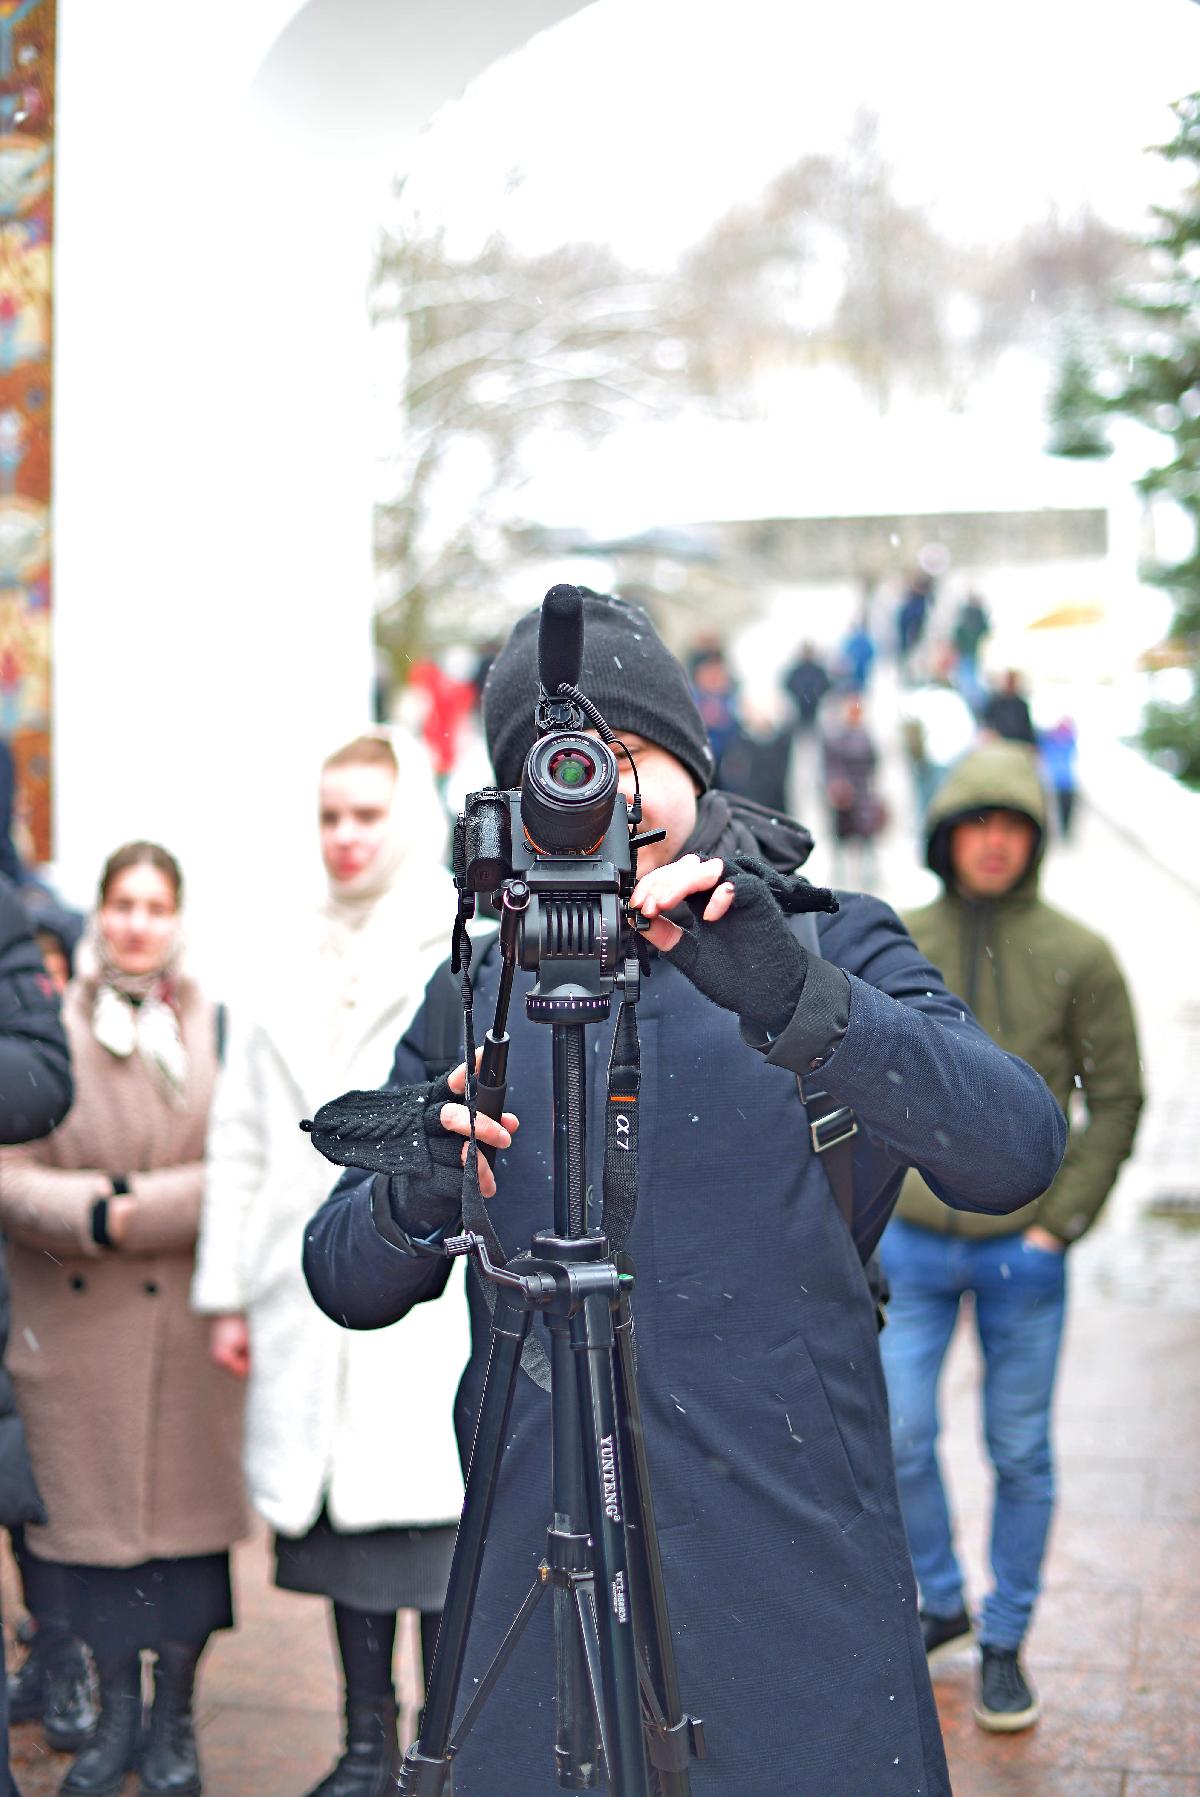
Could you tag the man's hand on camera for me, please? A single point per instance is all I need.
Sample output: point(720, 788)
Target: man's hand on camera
point(665, 887)
point(736, 946)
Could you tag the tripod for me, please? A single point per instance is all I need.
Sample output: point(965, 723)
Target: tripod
point(617, 1705)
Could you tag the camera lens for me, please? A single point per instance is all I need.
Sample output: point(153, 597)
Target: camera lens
point(571, 768)
point(568, 792)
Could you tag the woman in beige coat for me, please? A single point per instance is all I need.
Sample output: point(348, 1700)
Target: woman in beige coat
point(135, 1434)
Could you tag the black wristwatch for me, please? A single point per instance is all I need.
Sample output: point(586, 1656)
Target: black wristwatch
point(100, 1235)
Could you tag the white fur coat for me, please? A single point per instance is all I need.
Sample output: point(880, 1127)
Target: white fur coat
point(360, 1422)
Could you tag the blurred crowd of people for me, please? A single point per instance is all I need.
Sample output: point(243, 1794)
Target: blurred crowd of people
point(818, 741)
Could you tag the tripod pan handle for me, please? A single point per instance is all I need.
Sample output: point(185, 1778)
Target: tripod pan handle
point(492, 1084)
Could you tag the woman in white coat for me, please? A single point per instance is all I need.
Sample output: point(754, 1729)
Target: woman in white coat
point(333, 1416)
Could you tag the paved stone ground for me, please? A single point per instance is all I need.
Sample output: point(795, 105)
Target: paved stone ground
point(1115, 1650)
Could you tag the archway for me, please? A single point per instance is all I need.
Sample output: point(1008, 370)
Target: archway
point(220, 175)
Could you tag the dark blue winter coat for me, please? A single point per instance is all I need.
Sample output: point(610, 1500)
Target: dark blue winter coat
point(35, 1095)
point(792, 1601)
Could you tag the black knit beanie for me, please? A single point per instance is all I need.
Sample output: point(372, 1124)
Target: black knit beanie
point(628, 673)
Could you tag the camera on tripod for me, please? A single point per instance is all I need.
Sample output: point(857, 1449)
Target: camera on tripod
point(561, 853)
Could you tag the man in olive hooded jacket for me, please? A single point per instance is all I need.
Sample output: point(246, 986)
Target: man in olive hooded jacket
point(1049, 990)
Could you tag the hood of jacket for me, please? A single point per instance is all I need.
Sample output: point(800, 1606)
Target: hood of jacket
point(999, 776)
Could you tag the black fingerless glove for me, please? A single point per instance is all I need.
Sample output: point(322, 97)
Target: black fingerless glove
point(750, 962)
point(392, 1131)
point(398, 1133)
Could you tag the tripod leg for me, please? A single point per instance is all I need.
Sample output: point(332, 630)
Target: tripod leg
point(500, 1659)
point(593, 1342)
point(568, 1552)
point(672, 1738)
point(427, 1762)
point(585, 1616)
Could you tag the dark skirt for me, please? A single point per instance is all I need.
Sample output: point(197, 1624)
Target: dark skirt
point(118, 1610)
point(373, 1570)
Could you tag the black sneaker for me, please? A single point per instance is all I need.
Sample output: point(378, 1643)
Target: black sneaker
point(943, 1632)
point(1006, 1702)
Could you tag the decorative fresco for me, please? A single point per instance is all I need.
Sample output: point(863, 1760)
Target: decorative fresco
point(27, 30)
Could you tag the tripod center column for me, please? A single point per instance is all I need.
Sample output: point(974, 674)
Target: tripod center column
point(570, 1130)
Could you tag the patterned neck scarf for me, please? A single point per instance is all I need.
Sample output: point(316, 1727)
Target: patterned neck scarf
point(138, 1012)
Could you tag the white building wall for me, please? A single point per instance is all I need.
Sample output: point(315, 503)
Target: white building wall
point(221, 171)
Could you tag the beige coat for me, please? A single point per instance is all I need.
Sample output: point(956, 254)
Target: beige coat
point(135, 1435)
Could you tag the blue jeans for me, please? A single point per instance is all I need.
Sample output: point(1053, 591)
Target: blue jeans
point(1019, 1298)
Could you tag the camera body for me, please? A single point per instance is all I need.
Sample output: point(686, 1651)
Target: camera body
point(572, 899)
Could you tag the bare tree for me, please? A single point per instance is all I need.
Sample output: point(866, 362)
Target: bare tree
point(1058, 274)
point(752, 289)
point(889, 321)
point(830, 265)
point(495, 350)
point(827, 266)
point(500, 351)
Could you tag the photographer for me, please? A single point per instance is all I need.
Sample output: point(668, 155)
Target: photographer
point(792, 1600)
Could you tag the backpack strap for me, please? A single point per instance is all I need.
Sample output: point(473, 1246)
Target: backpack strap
point(832, 1125)
point(832, 1128)
point(221, 1030)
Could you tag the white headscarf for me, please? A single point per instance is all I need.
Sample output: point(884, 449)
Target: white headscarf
point(387, 917)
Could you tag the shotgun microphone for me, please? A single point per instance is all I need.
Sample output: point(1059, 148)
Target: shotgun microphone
point(560, 639)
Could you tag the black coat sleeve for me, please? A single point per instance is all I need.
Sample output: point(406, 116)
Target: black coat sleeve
point(926, 1082)
point(35, 1066)
point(361, 1268)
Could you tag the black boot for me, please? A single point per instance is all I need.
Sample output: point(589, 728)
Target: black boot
point(69, 1712)
point(27, 1686)
point(170, 1767)
point(99, 1771)
point(54, 1684)
point(371, 1763)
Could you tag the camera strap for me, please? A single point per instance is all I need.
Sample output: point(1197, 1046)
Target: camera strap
point(475, 1218)
point(621, 1129)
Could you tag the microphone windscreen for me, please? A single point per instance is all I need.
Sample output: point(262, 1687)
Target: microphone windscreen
point(560, 639)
